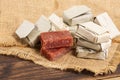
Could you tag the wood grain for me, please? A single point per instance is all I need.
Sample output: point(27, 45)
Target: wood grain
point(13, 68)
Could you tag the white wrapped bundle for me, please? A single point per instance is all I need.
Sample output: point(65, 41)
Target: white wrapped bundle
point(43, 24)
point(93, 32)
point(105, 21)
point(57, 23)
point(89, 53)
point(97, 47)
point(77, 14)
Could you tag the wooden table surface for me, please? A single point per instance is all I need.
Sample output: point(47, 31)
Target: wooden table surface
point(13, 68)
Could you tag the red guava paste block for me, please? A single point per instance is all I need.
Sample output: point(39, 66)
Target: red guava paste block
point(56, 39)
point(53, 54)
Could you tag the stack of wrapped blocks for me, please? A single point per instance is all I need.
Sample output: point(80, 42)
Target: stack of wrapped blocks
point(77, 28)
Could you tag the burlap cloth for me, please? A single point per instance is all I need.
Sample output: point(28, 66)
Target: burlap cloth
point(12, 13)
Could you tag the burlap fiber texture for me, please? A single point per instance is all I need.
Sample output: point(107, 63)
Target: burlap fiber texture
point(12, 14)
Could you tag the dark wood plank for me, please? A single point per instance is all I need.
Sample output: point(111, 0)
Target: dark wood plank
point(12, 68)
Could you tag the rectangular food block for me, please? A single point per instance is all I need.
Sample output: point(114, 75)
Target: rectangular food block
point(83, 18)
point(75, 11)
point(57, 22)
point(97, 47)
point(24, 29)
point(93, 32)
point(53, 54)
point(79, 19)
point(105, 21)
point(91, 54)
point(33, 37)
point(77, 14)
point(43, 24)
point(56, 39)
